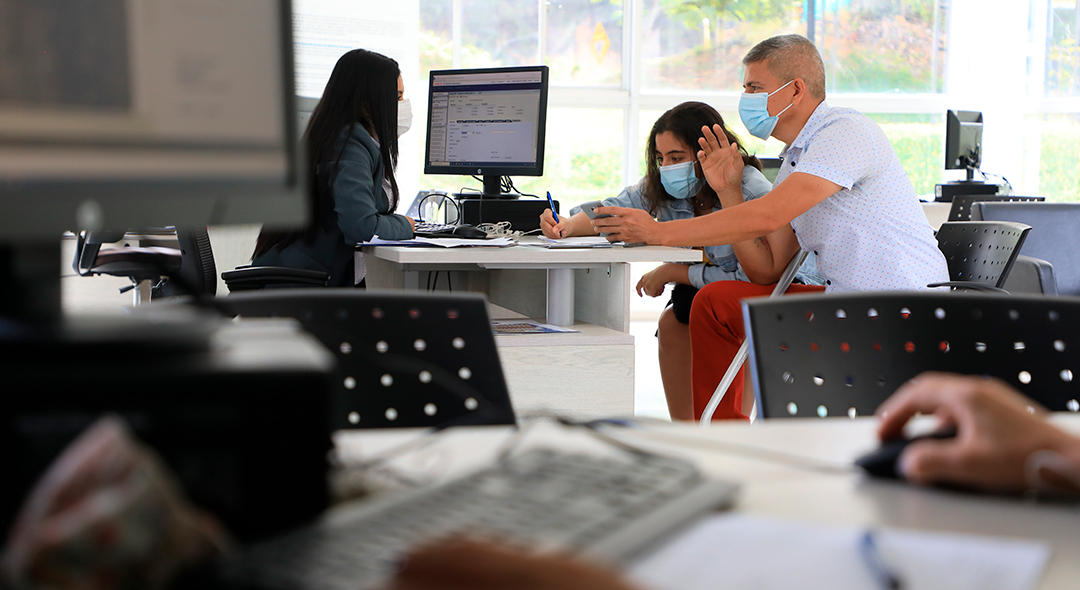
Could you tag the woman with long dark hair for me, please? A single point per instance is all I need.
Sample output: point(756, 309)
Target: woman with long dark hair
point(352, 151)
point(674, 188)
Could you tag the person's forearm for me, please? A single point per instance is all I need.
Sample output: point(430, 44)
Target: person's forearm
point(728, 226)
point(757, 259)
point(676, 273)
point(579, 225)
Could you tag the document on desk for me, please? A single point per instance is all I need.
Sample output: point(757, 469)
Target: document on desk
point(747, 551)
point(576, 242)
point(442, 242)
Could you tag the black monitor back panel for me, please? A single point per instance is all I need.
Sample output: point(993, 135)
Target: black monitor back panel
point(248, 442)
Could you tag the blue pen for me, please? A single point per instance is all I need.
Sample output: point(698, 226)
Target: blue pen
point(552, 203)
point(887, 578)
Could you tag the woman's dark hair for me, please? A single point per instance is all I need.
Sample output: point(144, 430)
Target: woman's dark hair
point(685, 122)
point(362, 90)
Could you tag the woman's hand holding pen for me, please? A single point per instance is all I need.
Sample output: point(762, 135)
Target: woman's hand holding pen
point(551, 228)
point(565, 227)
point(628, 225)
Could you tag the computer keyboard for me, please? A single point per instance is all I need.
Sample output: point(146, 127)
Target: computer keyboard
point(430, 227)
point(602, 506)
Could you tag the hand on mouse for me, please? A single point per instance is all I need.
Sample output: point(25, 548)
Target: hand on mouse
point(997, 431)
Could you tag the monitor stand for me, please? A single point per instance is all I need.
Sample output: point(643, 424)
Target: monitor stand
point(493, 188)
point(30, 297)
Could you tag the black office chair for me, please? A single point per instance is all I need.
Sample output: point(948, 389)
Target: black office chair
point(186, 270)
point(405, 358)
point(963, 206)
point(844, 354)
point(140, 264)
point(1055, 237)
point(980, 253)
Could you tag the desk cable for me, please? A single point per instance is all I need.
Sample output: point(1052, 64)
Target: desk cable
point(734, 448)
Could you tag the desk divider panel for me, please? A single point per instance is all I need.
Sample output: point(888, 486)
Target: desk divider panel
point(844, 354)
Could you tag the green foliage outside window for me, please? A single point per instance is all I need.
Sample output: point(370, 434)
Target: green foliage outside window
point(1063, 53)
point(1059, 157)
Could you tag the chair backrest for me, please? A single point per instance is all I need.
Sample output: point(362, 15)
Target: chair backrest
point(197, 269)
point(963, 206)
point(1031, 275)
point(87, 246)
point(1054, 237)
point(981, 252)
point(405, 358)
point(844, 354)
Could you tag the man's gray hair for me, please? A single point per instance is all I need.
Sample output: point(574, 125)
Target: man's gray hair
point(790, 57)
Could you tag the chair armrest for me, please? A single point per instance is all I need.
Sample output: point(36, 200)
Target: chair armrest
point(969, 286)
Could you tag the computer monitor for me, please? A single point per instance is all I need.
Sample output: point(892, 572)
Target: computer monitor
point(133, 114)
point(770, 167)
point(487, 122)
point(963, 141)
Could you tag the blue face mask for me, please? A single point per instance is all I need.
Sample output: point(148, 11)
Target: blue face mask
point(754, 112)
point(680, 180)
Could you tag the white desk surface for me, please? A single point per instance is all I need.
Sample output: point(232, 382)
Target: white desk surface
point(532, 255)
point(780, 488)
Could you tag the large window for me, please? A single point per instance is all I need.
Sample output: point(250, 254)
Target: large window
point(893, 46)
point(617, 64)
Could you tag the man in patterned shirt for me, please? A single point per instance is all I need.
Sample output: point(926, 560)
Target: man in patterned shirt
point(840, 193)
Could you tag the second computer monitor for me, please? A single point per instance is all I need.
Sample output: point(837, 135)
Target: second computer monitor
point(963, 140)
point(487, 122)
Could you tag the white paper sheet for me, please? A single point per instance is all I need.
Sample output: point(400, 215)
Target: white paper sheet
point(576, 242)
point(736, 551)
point(441, 242)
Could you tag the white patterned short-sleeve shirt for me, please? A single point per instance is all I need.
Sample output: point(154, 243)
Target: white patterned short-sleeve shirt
point(871, 234)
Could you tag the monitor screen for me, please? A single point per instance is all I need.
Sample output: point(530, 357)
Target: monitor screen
point(139, 113)
point(487, 122)
point(963, 140)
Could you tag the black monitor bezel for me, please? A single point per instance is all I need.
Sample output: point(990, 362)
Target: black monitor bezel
point(537, 169)
point(954, 121)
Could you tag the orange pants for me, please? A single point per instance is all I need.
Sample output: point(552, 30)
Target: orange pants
point(716, 333)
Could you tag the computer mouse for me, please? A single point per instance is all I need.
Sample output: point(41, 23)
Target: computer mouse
point(469, 232)
point(882, 461)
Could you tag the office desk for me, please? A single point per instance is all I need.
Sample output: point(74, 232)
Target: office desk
point(796, 491)
point(584, 375)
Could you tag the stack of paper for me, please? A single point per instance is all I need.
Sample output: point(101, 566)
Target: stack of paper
point(745, 551)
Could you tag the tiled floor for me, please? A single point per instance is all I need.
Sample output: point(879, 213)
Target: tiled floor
point(99, 295)
point(648, 389)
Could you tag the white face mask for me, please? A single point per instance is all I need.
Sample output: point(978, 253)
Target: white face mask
point(404, 116)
